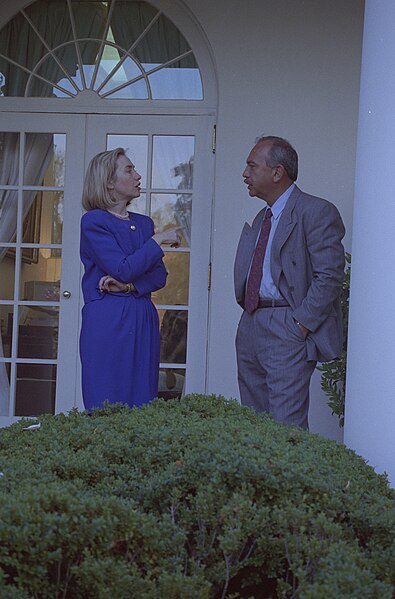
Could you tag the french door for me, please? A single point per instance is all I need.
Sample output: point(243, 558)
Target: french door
point(43, 160)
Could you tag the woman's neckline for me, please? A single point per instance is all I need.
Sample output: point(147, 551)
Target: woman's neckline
point(120, 216)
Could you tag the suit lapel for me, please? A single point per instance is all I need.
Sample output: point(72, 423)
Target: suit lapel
point(247, 242)
point(283, 231)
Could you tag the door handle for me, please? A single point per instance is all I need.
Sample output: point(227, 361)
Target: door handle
point(66, 294)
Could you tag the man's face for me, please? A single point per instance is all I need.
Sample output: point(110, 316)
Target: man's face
point(257, 175)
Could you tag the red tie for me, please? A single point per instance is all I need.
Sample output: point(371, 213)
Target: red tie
point(255, 277)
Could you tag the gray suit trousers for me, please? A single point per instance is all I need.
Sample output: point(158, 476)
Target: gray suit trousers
point(273, 370)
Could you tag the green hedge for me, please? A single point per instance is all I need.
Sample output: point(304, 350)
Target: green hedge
point(198, 499)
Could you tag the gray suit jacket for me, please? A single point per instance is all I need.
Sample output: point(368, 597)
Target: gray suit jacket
point(307, 266)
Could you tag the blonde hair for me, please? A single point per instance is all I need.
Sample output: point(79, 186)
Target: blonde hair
point(100, 172)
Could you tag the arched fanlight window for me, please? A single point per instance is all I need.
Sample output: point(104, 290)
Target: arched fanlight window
point(118, 49)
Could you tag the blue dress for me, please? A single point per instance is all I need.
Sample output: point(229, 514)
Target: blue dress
point(119, 341)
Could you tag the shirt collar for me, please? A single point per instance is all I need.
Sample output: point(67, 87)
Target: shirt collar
point(279, 204)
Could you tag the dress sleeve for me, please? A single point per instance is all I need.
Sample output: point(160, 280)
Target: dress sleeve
point(103, 248)
point(152, 280)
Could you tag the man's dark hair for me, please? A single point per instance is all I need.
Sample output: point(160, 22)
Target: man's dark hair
point(281, 152)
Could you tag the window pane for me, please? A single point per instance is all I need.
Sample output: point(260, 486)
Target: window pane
point(68, 57)
point(9, 164)
point(89, 17)
point(7, 279)
point(173, 336)
point(50, 70)
point(171, 210)
point(171, 383)
point(35, 389)
point(136, 147)
point(44, 159)
point(134, 29)
point(38, 332)
point(129, 20)
point(5, 371)
point(177, 286)
point(6, 316)
point(43, 222)
point(40, 274)
point(40, 12)
point(173, 162)
point(127, 72)
point(176, 82)
point(162, 43)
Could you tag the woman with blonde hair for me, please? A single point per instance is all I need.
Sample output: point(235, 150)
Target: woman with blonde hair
point(122, 258)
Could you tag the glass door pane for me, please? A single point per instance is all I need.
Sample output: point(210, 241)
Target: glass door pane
point(33, 207)
point(172, 155)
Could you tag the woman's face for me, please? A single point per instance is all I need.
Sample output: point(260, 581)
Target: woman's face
point(126, 183)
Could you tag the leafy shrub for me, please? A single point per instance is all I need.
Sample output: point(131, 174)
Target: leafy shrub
point(333, 377)
point(198, 499)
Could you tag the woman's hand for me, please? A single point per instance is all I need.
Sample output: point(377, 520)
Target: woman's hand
point(170, 237)
point(110, 284)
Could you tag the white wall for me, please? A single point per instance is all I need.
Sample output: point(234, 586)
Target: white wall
point(288, 68)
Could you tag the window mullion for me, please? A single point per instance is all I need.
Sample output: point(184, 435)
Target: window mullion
point(102, 45)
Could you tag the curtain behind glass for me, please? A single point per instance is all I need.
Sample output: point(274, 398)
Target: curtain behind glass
point(162, 42)
point(19, 42)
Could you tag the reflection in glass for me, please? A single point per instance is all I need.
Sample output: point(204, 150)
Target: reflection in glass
point(35, 389)
point(9, 163)
point(173, 336)
point(134, 91)
point(171, 210)
point(44, 219)
point(38, 332)
point(89, 52)
point(40, 276)
point(173, 162)
point(109, 59)
point(127, 72)
point(51, 165)
point(171, 383)
point(44, 159)
point(7, 279)
point(5, 378)
point(136, 147)
point(175, 82)
point(6, 316)
point(177, 286)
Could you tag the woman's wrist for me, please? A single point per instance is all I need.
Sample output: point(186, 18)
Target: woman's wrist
point(129, 287)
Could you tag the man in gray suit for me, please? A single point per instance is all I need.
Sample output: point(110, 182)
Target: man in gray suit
point(288, 276)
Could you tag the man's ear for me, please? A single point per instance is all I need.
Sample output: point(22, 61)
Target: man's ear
point(278, 173)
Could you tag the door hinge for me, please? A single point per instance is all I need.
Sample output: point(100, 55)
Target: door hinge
point(209, 276)
point(214, 139)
